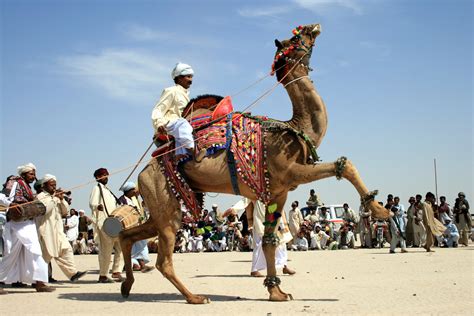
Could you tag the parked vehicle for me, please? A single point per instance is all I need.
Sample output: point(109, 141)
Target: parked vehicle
point(335, 211)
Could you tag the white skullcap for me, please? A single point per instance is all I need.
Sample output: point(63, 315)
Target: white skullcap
point(47, 177)
point(128, 186)
point(26, 168)
point(81, 211)
point(181, 70)
point(214, 205)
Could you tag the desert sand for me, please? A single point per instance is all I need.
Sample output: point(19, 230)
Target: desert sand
point(360, 281)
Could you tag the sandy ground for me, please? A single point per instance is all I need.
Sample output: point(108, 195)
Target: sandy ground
point(361, 281)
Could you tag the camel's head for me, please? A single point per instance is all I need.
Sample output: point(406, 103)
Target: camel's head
point(295, 51)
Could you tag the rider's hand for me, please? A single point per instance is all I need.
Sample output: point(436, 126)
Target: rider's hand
point(161, 130)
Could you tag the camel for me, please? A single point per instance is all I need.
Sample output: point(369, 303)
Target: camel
point(289, 165)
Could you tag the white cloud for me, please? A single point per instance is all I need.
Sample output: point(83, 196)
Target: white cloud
point(321, 6)
point(343, 63)
point(380, 50)
point(143, 33)
point(259, 12)
point(121, 74)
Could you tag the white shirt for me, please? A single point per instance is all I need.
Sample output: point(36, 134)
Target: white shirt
point(73, 231)
point(98, 217)
point(172, 102)
point(7, 200)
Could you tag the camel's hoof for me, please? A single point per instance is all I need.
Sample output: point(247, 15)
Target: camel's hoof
point(125, 289)
point(281, 298)
point(199, 299)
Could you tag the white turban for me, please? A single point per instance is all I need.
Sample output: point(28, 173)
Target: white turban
point(47, 177)
point(81, 211)
point(129, 185)
point(181, 70)
point(26, 168)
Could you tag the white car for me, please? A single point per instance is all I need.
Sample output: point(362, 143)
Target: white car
point(335, 211)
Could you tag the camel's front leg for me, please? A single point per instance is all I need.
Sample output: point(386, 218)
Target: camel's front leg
point(345, 169)
point(342, 168)
point(164, 263)
point(270, 242)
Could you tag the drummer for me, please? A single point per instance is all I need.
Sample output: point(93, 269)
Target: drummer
point(54, 243)
point(140, 248)
point(102, 203)
point(22, 259)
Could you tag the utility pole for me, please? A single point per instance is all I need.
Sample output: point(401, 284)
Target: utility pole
point(436, 181)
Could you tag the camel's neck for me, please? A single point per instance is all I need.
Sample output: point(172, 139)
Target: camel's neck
point(309, 110)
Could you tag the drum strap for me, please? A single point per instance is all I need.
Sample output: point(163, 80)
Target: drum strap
point(103, 200)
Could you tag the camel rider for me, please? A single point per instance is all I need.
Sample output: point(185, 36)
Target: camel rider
point(166, 115)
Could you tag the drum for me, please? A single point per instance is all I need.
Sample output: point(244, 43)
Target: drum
point(124, 217)
point(30, 210)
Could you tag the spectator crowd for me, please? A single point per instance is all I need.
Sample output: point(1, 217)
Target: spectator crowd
point(57, 231)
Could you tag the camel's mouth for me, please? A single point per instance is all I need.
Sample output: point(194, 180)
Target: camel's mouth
point(316, 29)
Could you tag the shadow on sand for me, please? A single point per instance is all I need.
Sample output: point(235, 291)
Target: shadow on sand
point(146, 297)
point(165, 298)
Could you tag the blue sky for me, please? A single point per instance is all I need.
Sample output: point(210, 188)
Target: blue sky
point(79, 80)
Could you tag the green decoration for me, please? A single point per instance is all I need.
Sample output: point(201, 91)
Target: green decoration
point(272, 208)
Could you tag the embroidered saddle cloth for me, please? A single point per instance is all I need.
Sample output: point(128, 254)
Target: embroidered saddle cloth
point(242, 137)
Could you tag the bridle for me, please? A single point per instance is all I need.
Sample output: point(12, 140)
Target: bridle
point(297, 44)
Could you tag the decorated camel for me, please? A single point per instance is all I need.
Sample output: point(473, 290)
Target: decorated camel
point(289, 160)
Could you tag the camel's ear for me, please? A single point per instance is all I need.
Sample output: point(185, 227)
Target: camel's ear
point(278, 44)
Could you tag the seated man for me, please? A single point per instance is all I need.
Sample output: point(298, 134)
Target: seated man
point(320, 238)
point(312, 217)
point(79, 246)
point(219, 241)
point(312, 203)
point(166, 115)
point(450, 236)
point(195, 243)
point(181, 242)
point(300, 243)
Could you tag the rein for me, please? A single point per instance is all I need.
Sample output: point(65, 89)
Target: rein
point(294, 80)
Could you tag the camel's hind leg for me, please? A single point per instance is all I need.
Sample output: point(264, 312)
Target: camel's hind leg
point(164, 263)
point(270, 242)
point(127, 239)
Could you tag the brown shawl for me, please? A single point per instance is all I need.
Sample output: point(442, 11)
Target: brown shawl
point(436, 227)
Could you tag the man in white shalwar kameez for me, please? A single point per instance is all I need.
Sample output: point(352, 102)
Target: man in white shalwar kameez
point(166, 115)
point(22, 258)
point(258, 257)
point(102, 203)
point(295, 219)
point(54, 243)
point(72, 226)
